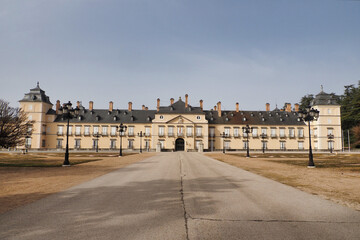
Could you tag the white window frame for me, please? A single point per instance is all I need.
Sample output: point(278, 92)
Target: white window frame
point(161, 131)
point(189, 131)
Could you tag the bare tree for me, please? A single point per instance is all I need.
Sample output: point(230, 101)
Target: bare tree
point(14, 126)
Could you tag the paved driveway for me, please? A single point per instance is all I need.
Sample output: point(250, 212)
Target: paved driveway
point(181, 196)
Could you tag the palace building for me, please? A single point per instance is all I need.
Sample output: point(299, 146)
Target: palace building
point(177, 126)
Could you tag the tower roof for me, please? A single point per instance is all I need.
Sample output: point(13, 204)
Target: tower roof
point(36, 95)
point(323, 98)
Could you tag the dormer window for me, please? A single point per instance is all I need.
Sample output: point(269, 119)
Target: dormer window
point(132, 118)
point(244, 119)
point(161, 117)
point(125, 112)
point(115, 118)
point(109, 112)
point(148, 119)
point(227, 119)
point(79, 118)
point(97, 118)
point(198, 117)
point(263, 119)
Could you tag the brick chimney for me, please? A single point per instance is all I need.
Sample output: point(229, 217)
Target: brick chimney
point(171, 101)
point(296, 107)
point(237, 107)
point(78, 104)
point(143, 107)
point(111, 106)
point(267, 107)
point(130, 106)
point(288, 107)
point(57, 106)
point(158, 104)
point(186, 100)
point(146, 108)
point(91, 105)
point(201, 104)
point(219, 108)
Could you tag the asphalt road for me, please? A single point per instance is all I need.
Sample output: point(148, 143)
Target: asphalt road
point(181, 196)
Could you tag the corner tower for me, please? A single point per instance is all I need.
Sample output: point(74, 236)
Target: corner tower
point(36, 104)
point(327, 130)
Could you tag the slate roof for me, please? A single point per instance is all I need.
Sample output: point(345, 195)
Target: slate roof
point(324, 99)
point(36, 95)
point(117, 116)
point(103, 116)
point(179, 107)
point(254, 118)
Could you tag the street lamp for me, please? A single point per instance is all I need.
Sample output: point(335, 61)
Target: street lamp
point(121, 130)
point(309, 114)
point(263, 136)
point(331, 137)
point(67, 113)
point(247, 130)
point(97, 136)
point(140, 134)
point(223, 135)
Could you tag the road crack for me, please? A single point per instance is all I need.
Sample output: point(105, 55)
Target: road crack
point(265, 220)
point(182, 175)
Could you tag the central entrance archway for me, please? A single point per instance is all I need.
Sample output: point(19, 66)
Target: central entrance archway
point(179, 144)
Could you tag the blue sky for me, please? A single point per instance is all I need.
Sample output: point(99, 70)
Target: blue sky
point(246, 51)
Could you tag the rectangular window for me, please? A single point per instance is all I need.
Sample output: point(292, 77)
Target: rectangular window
point(147, 131)
point(28, 142)
point(245, 144)
point(212, 145)
point(330, 145)
point(198, 131)
point(96, 129)
point(282, 146)
point(112, 143)
point(291, 132)
point(264, 131)
point(227, 144)
point(180, 131)
point(227, 132)
point(43, 143)
point(171, 131)
point(330, 131)
point(162, 144)
point(236, 132)
point(147, 145)
point(113, 131)
point(301, 132)
point(130, 144)
point(301, 145)
point(264, 145)
point(316, 145)
point(273, 132)
point(59, 143)
point(131, 131)
point(87, 130)
point(104, 130)
point(315, 132)
point(60, 130)
point(95, 143)
point(77, 130)
point(282, 132)
point(161, 131)
point(189, 131)
point(77, 143)
point(255, 132)
point(212, 132)
point(197, 144)
point(70, 130)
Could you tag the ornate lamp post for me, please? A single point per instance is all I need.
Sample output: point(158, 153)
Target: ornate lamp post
point(68, 113)
point(97, 136)
point(247, 130)
point(223, 135)
point(121, 130)
point(140, 134)
point(308, 115)
point(331, 137)
point(263, 136)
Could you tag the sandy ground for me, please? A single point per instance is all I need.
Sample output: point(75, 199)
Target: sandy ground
point(338, 185)
point(22, 185)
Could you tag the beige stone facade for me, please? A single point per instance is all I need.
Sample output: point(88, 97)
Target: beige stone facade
point(180, 126)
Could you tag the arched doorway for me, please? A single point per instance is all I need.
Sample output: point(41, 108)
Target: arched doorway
point(179, 144)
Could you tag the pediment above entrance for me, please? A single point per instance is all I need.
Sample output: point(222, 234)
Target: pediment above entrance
point(180, 120)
